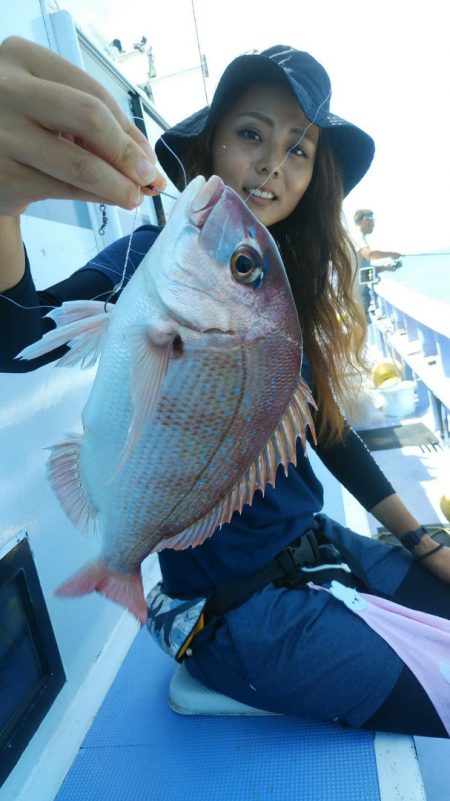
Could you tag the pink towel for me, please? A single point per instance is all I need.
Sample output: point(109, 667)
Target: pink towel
point(422, 641)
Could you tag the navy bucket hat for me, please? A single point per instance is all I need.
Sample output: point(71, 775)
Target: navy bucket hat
point(310, 84)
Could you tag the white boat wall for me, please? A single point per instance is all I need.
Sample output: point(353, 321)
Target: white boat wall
point(36, 410)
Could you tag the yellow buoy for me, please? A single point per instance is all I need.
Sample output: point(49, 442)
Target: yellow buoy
point(444, 503)
point(382, 371)
point(390, 382)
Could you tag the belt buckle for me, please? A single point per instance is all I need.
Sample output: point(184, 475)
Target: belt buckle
point(307, 550)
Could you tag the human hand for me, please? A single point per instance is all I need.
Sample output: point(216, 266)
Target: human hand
point(391, 267)
point(63, 136)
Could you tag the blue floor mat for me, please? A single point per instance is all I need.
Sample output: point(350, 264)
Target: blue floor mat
point(139, 750)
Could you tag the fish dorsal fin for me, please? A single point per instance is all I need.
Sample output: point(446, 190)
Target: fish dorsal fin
point(80, 325)
point(280, 449)
point(64, 474)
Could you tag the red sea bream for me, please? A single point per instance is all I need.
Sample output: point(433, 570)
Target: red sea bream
point(197, 398)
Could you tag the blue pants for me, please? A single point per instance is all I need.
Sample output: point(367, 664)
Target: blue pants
point(300, 652)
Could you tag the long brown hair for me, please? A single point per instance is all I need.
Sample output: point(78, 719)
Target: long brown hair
point(317, 254)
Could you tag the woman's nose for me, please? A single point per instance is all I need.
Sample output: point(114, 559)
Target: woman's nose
point(269, 161)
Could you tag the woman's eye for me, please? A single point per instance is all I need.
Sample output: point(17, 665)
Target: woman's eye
point(250, 134)
point(297, 150)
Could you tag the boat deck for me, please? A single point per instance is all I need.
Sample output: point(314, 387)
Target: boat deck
point(139, 748)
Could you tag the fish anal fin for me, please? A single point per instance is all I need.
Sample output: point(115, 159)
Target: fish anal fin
point(124, 589)
point(63, 470)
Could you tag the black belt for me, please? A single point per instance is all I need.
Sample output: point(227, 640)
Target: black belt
point(284, 570)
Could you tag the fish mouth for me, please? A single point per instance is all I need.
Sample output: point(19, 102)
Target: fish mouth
point(205, 200)
point(218, 336)
point(223, 331)
point(184, 323)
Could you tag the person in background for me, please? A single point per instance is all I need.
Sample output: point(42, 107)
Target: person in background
point(365, 222)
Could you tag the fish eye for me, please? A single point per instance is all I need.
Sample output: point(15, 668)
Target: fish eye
point(246, 265)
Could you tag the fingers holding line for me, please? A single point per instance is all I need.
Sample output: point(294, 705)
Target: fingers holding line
point(59, 97)
point(77, 172)
point(30, 185)
point(46, 65)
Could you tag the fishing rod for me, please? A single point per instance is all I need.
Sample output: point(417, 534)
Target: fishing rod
point(434, 253)
point(369, 275)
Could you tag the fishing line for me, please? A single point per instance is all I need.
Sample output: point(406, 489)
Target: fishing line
point(57, 306)
point(178, 159)
point(296, 144)
point(277, 167)
point(110, 293)
point(27, 308)
point(155, 188)
point(117, 288)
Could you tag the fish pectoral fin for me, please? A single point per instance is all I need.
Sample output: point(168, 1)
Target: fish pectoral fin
point(80, 325)
point(63, 470)
point(150, 348)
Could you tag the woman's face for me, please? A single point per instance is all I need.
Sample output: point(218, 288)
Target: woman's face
point(256, 151)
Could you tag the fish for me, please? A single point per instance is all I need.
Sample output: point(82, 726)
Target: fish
point(198, 395)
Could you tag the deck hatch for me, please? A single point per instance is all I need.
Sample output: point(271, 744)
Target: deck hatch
point(31, 670)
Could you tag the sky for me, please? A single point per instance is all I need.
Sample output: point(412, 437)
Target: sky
point(389, 63)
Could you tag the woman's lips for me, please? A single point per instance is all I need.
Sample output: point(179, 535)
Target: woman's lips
point(261, 197)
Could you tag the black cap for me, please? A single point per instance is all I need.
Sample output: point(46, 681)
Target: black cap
point(310, 84)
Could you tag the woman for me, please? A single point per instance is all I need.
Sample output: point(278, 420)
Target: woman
point(269, 639)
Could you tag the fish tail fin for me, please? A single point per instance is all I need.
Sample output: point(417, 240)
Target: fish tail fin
point(123, 588)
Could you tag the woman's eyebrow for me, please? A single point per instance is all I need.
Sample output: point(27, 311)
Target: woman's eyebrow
point(305, 133)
